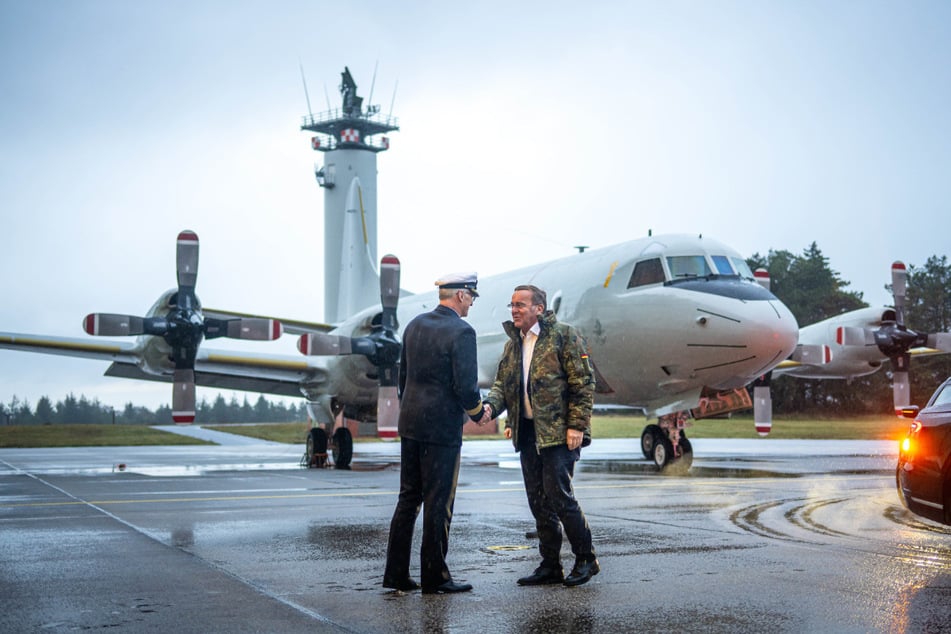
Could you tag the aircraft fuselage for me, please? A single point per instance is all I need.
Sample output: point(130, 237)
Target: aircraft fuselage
point(655, 341)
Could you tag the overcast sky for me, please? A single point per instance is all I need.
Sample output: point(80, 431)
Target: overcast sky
point(526, 128)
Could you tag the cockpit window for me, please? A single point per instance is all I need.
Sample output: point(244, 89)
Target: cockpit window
point(688, 266)
point(647, 272)
point(742, 268)
point(722, 264)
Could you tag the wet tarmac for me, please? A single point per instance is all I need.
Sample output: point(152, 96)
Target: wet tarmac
point(760, 536)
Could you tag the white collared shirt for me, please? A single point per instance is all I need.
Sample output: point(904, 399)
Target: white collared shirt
point(528, 347)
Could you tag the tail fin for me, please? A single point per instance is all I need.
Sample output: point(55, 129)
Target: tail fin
point(359, 279)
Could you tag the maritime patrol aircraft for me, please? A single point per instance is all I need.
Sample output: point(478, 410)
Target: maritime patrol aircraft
point(678, 325)
point(669, 320)
point(861, 341)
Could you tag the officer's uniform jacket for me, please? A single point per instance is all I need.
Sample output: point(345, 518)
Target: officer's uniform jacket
point(560, 383)
point(440, 386)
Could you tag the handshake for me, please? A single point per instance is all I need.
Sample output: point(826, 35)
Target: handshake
point(486, 415)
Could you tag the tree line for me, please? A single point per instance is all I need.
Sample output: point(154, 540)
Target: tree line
point(83, 410)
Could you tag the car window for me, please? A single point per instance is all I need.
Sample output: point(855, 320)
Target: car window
point(942, 396)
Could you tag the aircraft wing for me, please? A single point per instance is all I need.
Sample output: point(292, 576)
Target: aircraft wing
point(837, 370)
point(292, 326)
point(71, 347)
point(282, 375)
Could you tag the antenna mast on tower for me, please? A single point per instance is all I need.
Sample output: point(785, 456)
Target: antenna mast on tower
point(350, 126)
point(349, 137)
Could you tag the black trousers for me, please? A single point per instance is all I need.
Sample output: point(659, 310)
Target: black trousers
point(428, 477)
point(547, 474)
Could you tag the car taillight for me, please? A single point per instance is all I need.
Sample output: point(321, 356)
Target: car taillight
point(908, 443)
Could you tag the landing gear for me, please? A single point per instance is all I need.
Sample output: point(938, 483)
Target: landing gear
point(663, 451)
point(648, 440)
point(685, 460)
point(667, 446)
point(341, 447)
point(316, 452)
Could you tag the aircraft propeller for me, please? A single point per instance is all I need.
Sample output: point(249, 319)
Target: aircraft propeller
point(381, 347)
point(183, 327)
point(895, 340)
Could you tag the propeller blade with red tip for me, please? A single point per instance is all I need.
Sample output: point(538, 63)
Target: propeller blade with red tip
point(387, 412)
point(186, 260)
point(248, 328)
point(854, 336)
point(895, 340)
point(381, 347)
point(183, 396)
point(390, 290)
point(812, 354)
point(388, 405)
point(112, 325)
point(901, 390)
point(320, 344)
point(899, 286)
point(183, 327)
point(762, 406)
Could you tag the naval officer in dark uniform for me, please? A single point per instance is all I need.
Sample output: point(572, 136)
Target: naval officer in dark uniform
point(438, 386)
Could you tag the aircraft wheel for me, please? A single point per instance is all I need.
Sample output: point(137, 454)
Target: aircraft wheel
point(648, 440)
point(681, 465)
point(317, 447)
point(342, 448)
point(663, 451)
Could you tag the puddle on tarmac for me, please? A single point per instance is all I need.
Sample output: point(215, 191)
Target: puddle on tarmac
point(623, 467)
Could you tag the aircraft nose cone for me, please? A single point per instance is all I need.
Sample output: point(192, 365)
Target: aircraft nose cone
point(781, 332)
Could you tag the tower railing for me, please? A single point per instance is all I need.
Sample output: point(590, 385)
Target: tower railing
point(337, 114)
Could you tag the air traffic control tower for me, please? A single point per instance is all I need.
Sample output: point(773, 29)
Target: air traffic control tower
point(346, 136)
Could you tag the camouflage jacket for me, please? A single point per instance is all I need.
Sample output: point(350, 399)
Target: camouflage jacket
point(560, 382)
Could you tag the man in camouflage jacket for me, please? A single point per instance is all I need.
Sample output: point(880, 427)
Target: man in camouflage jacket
point(546, 383)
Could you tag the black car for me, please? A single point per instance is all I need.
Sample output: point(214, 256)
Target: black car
point(924, 458)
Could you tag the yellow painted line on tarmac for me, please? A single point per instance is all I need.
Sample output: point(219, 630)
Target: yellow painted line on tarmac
point(227, 498)
point(302, 496)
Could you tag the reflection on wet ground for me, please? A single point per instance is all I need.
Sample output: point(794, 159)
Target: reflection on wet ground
point(614, 467)
point(804, 541)
point(619, 467)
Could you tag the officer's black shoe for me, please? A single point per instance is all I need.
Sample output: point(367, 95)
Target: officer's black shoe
point(582, 572)
point(404, 585)
point(448, 587)
point(543, 576)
